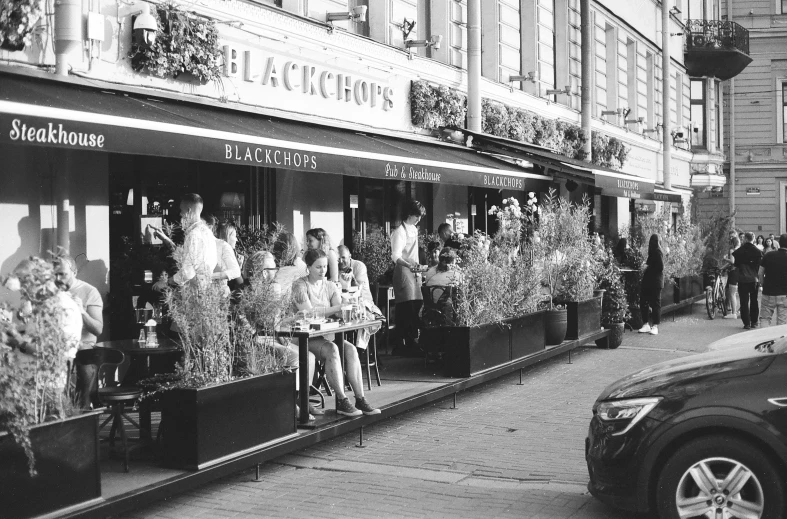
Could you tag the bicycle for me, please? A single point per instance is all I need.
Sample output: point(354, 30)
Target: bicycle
point(715, 294)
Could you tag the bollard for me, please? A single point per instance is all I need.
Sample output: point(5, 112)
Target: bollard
point(360, 444)
point(520, 377)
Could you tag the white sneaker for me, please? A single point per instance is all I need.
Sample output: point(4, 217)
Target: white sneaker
point(645, 328)
point(731, 316)
point(654, 330)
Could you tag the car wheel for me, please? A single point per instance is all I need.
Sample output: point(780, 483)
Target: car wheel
point(719, 477)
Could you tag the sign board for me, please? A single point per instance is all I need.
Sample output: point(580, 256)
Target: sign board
point(752, 191)
point(622, 186)
point(353, 201)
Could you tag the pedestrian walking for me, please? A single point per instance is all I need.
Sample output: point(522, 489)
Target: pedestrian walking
point(773, 278)
point(652, 283)
point(747, 262)
point(760, 243)
point(732, 278)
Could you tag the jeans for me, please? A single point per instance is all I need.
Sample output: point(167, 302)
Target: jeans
point(750, 308)
point(650, 298)
point(86, 386)
point(769, 303)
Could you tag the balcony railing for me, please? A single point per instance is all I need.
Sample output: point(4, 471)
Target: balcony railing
point(716, 34)
point(716, 48)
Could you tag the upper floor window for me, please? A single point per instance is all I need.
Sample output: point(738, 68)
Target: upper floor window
point(784, 6)
point(697, 93)
point(545, 49)
point(696, 10)
point(783, 110)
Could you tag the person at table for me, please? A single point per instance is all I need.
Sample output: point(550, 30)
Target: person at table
point(318, 239)
point(286, 252)
point(353, 273)
point(229, 233)
point(227, 269)
point(91, 309)
point(407, 277)
point(447, 236)
point(315, 291)
point(199, 257)
point(445, 275)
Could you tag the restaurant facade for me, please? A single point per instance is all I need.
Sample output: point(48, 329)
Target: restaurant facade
point(310, 123)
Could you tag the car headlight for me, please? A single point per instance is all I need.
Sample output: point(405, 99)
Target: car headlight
point(621, 415)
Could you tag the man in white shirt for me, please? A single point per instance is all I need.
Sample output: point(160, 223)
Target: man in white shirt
point(199, 257)
point(353, 273)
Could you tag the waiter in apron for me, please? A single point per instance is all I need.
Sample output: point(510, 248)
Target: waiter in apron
point(407, 272)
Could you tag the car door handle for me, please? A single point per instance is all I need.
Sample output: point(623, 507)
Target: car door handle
point(781, 402)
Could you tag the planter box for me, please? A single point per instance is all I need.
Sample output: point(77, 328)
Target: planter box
point(584, 317)
point(470, 349)
point(527, 334)
point(66, 455)
point(668, 294)
point(202, 427)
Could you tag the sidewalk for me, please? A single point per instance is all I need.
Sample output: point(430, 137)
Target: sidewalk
point(508, 450)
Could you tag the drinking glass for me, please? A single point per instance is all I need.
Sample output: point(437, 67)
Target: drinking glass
point(347, 313)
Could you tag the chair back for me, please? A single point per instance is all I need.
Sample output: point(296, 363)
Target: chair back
point(438, 305)
point(101, 358)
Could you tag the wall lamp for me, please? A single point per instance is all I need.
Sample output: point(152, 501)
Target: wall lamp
point(674, 10)
point(638, 120)
point(565, 91)
point(406, 26)
point(145, 24)
point(655, 129)
point(356, 14)
point(678, 138)
point(531, 76)
point(616, 111)
point(434, 42)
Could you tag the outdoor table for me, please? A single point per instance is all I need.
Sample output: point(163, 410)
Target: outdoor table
point(139, 358)
point(303, 355)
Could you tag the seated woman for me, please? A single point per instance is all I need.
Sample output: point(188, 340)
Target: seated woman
point(319, 239)
point(286, 251)
point(316, 291)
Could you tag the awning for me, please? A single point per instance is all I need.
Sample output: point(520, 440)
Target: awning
point(664, 195)
point(609, 181)
point(55, 114)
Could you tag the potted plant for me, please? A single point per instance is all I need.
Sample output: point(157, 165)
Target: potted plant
point(18, 22)
point(614, 306)
point(374, 250)
point(567, 257)
point(47, 447)
point(234, 392)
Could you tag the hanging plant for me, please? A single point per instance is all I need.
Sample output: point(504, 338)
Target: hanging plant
point(435, 106)
point(185, 42)
point(18, 19)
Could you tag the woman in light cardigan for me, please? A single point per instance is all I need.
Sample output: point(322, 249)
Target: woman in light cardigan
point(407, 276)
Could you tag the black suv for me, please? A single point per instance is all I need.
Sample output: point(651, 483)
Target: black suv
point(700, 436)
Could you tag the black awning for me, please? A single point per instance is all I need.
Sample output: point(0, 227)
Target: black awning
point(609, 181)
point(43, 112)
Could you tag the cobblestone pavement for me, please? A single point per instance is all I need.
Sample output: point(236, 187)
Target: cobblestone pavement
point(508, 450)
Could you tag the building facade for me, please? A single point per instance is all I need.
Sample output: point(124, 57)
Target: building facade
point(308, 118)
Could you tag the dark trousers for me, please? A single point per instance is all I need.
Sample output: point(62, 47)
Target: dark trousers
point(407, 320)
point(86, 386)
point(750, 308)
point(650, 301)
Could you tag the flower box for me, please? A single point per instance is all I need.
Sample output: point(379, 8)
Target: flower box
point(528, 334)
point(470, 349)
point(205, 426)
point(66, 458)
point(584, 317)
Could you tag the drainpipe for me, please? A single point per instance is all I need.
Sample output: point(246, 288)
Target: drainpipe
point(666, 129)
point(68, 32)
point(474, 65)
point(732, 131)
point(587, 77)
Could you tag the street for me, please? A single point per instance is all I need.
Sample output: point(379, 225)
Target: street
point(507, 450)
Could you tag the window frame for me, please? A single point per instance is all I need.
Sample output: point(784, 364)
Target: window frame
point(703, 102)
point(781, 112)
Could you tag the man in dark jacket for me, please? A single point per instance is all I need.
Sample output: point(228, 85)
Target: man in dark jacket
point(747, 261)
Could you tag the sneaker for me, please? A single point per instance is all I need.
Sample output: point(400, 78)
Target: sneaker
point(345, 408)
point(731, 316)
point(654, 330)
point(755, 325)
point(645, 329)
point(365, 407)
point(298, 413)
point(315, 410)
point(746, 327)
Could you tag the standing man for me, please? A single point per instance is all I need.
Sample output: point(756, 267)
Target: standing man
point(353, 273)
point(199, 247)
point(773, 277)
point(747, 260)
point(91, 307)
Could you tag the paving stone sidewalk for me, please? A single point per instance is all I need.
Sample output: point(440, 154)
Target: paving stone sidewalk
point(507, 450)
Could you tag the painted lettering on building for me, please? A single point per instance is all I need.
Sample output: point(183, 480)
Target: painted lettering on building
point(53, 134)
point(295, 76)
point(403, 172)
point(504, 182)
point(268, 156)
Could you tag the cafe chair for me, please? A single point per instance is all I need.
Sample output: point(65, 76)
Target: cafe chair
point(371, 362)
point(437, 313)
point(115, 398)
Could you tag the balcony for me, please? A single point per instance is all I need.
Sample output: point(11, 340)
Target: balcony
point(716, 48)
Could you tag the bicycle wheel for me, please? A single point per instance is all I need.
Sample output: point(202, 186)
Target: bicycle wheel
point(710, 304)
point(721, 298)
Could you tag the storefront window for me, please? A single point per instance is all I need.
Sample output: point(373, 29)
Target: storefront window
point(698, 113)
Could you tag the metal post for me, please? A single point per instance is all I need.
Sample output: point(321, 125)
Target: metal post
point(732, 131)
point(569, 357)
point(257, 476)
point(360, 444)
point(474, 65)
point(520, 377)
point(666, 129)
point(454, 401)
point(587, 76)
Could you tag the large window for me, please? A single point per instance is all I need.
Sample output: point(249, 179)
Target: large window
point(698, 114)
point(784, 6)
point(696, 10)
point(545, 51)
